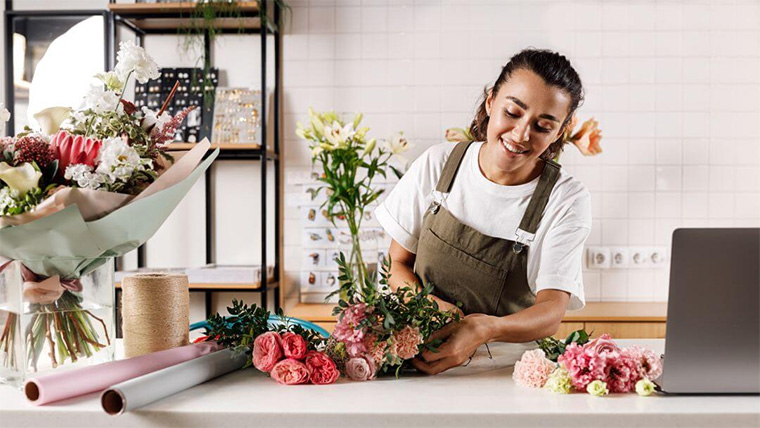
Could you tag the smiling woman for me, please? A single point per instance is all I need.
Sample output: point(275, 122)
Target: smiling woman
point(495, 225)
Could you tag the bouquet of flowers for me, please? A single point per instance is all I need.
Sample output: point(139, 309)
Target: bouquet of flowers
point(289, 353)
point(96, 188)
point(350, 162)
point(378, 329)
point(598, 367)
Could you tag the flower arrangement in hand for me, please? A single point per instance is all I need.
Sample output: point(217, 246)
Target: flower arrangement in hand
point(350, 162)
point(289, 353)
point(598, 366)
point(378, 329)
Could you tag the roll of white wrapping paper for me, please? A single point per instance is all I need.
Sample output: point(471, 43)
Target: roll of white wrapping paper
point(143, 390)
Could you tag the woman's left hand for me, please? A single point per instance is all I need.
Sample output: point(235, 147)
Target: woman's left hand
point(461, 340)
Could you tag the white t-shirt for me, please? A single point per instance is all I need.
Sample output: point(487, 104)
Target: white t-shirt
point(555, 255)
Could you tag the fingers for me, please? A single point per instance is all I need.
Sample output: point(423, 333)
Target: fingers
point(435, 367)
point(443, 333)
point(443, 351)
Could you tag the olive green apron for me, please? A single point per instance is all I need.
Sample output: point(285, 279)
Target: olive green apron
point(485, 274)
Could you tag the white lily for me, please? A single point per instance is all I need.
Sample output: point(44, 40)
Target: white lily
point(337, 134)
point(51, 118)
point(20, 179)
point(5, 116)
point(370, 146)
point(398, 144)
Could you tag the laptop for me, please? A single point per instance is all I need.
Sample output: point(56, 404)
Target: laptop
point(712, 342)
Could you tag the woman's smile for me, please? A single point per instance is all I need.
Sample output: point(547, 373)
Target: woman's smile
point(512, 149)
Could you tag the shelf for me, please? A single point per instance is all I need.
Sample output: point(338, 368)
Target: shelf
point(594, 311)
point(227, 287)
point(244, 151)
point(214, 278)
point(160, 17)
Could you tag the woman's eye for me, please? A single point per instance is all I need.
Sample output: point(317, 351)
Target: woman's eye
point(511, 114)
point(543, 130)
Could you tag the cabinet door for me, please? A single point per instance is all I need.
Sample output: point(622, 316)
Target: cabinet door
point(627, 330)
point(566, 328)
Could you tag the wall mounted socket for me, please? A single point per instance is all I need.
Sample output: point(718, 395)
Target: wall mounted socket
point(598, 258)
point(619, 257)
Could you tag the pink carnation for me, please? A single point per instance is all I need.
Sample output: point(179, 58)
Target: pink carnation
point(376, 349)
point(533, 369)
point(267, 351)
point(290, 372)
point(405, 342)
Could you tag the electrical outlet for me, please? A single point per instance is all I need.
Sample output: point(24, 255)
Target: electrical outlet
point(658, 257)
point(619, 257)
point(597, 258)
point(640, 257)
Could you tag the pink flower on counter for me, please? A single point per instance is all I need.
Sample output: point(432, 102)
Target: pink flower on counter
point(602, 344)
point(583, 365)
point(376, 349)
point(293, 345)
point(74, 149)
point(290, 372)
point(361, 368)
point(348, 331)
point(322, 368)
point(406, 342)
point(649, 364)
point(623, 373)
point(267, 351)
point(533, 369)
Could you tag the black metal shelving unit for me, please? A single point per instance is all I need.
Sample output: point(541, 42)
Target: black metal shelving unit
point(144, 19)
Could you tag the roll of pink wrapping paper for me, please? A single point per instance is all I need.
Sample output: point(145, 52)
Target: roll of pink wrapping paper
point(60, 386)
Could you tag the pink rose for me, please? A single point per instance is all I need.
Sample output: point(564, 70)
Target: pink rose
point(533, 369)
point(74, 149)
point(290, 372)
point(322, 368)
point(360, 368)
point(603, 343)
point(293, 345)
point(405, 342)
point(267, 351)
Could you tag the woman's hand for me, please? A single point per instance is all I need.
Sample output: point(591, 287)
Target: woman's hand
point(462, 339)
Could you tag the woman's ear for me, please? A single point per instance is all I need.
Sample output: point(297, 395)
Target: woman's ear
point(489, 100)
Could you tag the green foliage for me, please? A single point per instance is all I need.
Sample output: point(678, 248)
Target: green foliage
point(553, 348)
point(239, 329)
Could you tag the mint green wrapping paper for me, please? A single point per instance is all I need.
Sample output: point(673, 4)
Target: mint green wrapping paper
point(64, 244)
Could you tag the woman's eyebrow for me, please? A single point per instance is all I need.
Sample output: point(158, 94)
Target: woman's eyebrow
point(525, 106)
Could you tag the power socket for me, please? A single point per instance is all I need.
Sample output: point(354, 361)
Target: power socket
point(597, 258)
point(619, 257)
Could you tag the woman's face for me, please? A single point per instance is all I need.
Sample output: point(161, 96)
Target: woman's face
point(525, 117)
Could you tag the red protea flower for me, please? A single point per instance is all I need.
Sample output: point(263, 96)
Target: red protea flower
point(165, 134)
point(74, 149)
point(33, 148)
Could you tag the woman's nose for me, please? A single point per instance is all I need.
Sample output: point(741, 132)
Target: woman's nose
point(521, 132)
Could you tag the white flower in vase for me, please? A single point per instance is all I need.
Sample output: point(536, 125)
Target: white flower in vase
point(20, 179)
point(118, 160)
point(133, 59)
point(84, 176)
point(398, 144)
point(101, 100)
point(112, 81)
point(338, 135)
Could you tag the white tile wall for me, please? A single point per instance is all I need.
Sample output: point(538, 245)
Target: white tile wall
point(674, 85)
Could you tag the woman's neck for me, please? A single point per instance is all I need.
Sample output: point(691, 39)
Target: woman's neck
point(523, 175)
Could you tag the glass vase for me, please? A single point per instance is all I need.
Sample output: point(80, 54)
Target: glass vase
point(55, 314)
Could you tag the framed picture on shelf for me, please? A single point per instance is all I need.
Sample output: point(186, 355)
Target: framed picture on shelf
point(237, 116)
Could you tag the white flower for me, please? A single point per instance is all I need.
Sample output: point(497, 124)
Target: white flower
point(101, 100)
point(398, 144)
point(51, 118)
point(6, 200)
point(20, 179)
point(337, 134)
point(150, 119)
point(118, 160)
point(133, 58)
point(5, 116)
point(84, 177)
point(111, 80)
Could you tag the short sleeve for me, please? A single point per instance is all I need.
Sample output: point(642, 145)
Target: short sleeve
point(561, 261)
point(400, 214)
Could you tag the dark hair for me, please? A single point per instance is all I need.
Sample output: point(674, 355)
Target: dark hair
point(555, 69)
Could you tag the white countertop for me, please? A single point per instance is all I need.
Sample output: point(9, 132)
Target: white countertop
point(481, 394)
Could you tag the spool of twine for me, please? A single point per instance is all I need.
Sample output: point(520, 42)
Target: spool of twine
point(155, 312)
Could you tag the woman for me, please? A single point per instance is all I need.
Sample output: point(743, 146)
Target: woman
point(495, 225)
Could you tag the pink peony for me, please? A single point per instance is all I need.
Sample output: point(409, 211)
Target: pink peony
point(267, 351)
point(293, 345)
point(290, 372)
point(74, 149)
point(405, 342)
point(321, 368)
point(533, 369)
point(648, 363)
point(583, 365)
point(361, 368)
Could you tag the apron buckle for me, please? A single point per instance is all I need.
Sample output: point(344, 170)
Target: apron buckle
point(435, 207)
point(517, 247)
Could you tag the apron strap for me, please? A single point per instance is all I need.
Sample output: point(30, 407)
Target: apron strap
point(451, 167)
point(532, 217)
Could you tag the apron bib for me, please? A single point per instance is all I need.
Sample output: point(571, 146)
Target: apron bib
point(486, 274)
